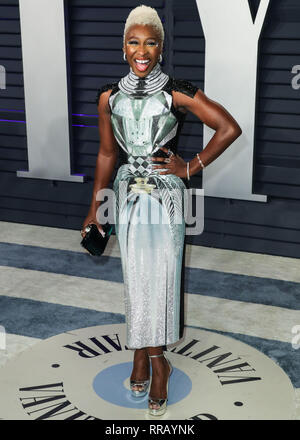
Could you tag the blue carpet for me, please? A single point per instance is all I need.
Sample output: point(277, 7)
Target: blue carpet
point(40, 319)
point(250, 289)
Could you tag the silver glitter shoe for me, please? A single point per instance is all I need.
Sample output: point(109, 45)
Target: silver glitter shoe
point(161, 403)
point(140, 383)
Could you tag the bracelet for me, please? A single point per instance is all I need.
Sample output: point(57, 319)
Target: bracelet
point(188, 170)
point(200, 161)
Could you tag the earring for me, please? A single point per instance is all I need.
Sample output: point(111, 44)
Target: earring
point(160, 58)
point(124, 56)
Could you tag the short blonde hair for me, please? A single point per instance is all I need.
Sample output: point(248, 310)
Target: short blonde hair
point(145, 15)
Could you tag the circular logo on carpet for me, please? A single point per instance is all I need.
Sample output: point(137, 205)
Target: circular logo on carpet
point(84, 374)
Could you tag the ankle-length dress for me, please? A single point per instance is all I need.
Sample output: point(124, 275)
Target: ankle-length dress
point(149, 220)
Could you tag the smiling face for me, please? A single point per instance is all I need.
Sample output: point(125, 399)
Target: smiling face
point(142, 47)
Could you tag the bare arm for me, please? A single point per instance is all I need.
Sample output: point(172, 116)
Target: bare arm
point(215, 116)
point(108, 150)
point(106, 159)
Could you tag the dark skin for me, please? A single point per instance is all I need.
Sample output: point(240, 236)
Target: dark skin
point(142, 42)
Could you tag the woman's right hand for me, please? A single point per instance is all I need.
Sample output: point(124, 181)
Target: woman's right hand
point(91, 219)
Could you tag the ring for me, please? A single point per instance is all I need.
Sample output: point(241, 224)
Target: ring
point(86, 229)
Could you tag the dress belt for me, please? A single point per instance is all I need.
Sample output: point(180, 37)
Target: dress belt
point(141, 168)
point(140, 164)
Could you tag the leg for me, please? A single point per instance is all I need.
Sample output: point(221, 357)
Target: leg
point(141, 367)
point(160, 375)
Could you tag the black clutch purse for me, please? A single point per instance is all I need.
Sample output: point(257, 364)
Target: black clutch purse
point(93, 241)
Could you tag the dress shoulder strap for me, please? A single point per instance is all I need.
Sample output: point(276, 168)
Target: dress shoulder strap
point(104, 88)
point(181, 85)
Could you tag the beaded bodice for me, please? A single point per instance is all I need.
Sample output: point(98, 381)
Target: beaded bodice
point(142, 125)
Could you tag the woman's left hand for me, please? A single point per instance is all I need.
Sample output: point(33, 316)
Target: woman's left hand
point(175, 164)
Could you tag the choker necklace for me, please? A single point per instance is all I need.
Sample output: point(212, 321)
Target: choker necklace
point(132, 84)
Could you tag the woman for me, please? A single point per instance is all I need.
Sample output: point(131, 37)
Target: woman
point(140, 117)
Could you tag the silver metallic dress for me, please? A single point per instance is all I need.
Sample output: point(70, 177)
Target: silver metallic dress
point(149, 213)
